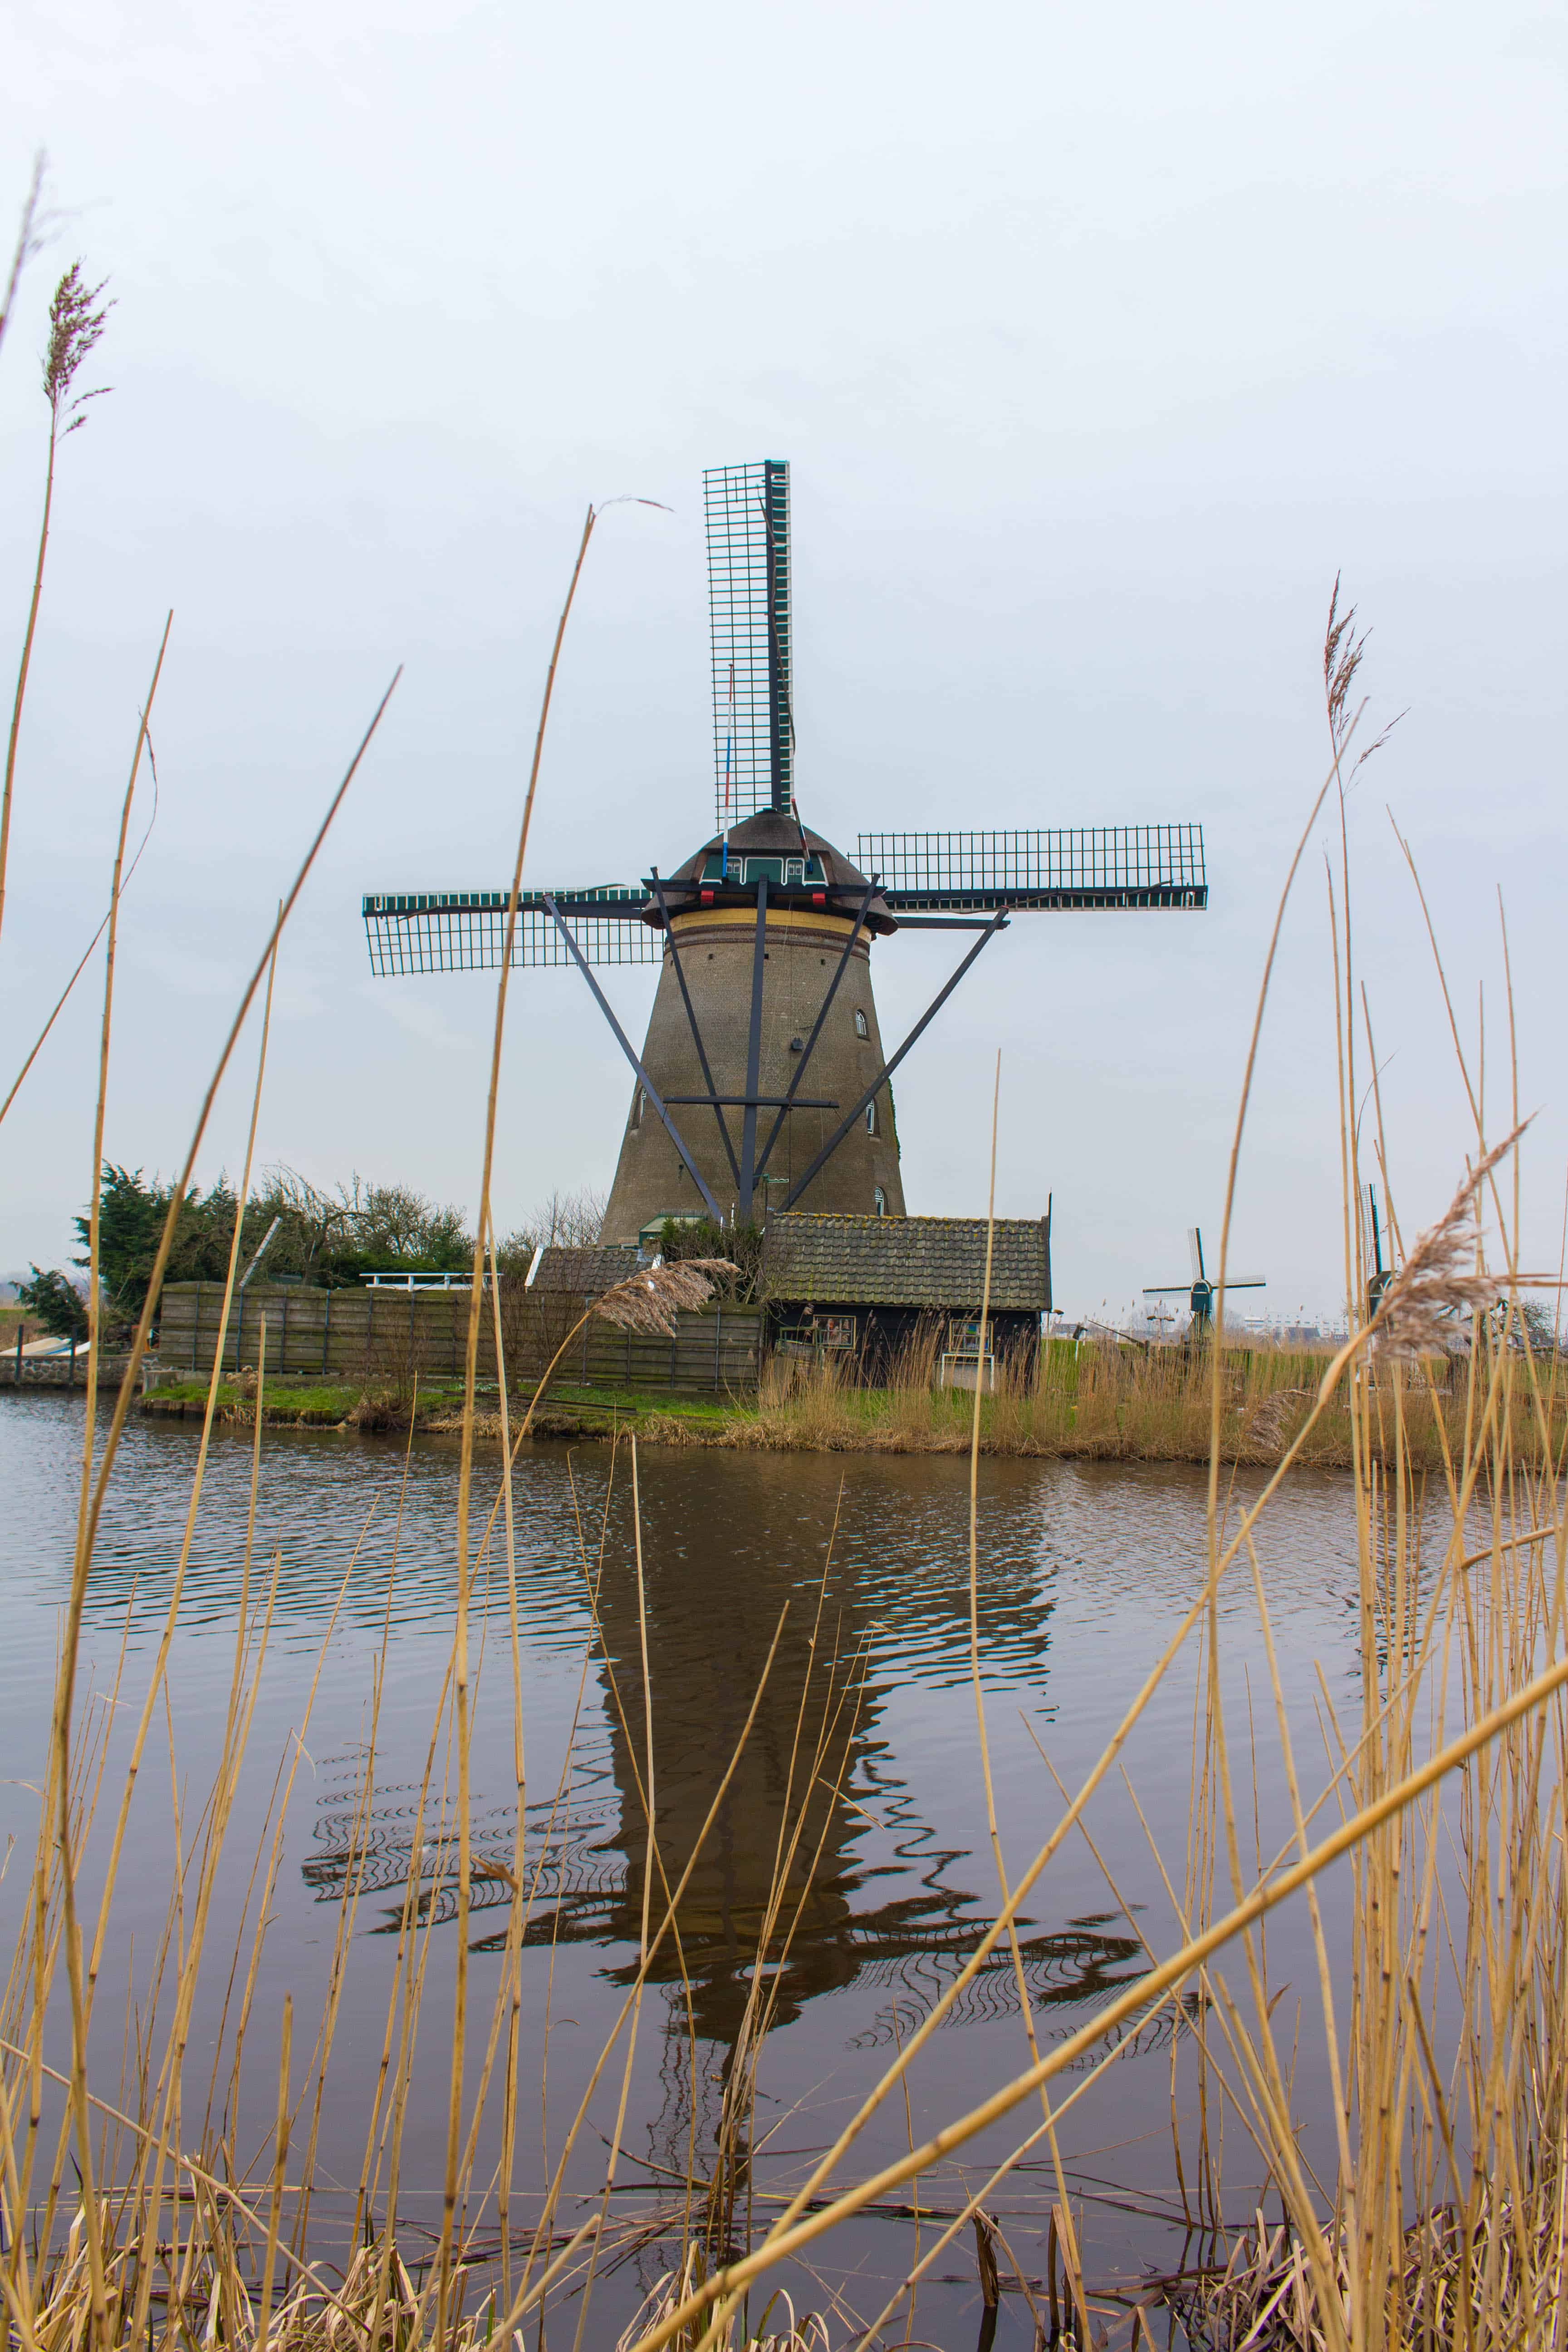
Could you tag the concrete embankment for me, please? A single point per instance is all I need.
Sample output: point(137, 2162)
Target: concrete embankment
point(58, 1372)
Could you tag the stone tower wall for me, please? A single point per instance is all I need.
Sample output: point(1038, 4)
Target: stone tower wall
point(716, 952)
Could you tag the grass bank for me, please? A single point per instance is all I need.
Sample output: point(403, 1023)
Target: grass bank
point(1110, 1403)
point(1097, 1403)
point(437, 1409)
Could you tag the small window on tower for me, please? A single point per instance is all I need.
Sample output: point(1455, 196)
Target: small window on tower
point(862, 1026)
point(871, 1117)
point(638, 1100)
point(878, 1203)
point(794, 873)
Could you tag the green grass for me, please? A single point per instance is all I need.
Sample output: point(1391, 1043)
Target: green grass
point(319, 1402)
point(325, 1401)
point(641, 1401)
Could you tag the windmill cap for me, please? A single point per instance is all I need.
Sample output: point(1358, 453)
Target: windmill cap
point(772, 835)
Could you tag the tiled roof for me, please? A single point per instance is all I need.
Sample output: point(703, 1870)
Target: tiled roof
point(586, 1273)
point(907, 1261)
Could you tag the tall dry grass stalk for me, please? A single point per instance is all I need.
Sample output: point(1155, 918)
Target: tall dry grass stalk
point(76, 329)
point(117, 899)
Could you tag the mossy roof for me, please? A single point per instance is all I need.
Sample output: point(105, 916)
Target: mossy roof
point(935, 1262)
point(586, 1271)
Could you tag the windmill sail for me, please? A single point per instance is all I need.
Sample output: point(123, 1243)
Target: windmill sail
point(464, 930)
point(746, 510)
point(1140, 866)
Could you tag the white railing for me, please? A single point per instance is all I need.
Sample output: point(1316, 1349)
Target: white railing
point(395, 1280)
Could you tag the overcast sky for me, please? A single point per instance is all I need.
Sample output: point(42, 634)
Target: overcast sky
point(1098, 336)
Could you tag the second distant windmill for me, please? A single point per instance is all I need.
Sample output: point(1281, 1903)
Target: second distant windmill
point(1201, 1292)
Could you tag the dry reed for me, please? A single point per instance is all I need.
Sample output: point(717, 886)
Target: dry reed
point(75, 328)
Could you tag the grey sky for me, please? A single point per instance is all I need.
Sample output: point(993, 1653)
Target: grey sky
point(1098, 338)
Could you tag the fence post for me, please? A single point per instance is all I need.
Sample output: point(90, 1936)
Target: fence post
point(327, 1332)
point(196, 1329)
point(718, 1328)
point(283, 1339)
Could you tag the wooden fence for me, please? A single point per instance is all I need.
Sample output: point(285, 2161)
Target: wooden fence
point(388, 1335)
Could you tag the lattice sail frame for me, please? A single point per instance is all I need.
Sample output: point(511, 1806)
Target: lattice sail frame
point(464, 930)
point(1089, 866)
point(746, 512)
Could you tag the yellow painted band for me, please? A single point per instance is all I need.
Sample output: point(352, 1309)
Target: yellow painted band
point(720, 918)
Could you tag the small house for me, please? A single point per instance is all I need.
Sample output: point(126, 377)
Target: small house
point(864, 1290)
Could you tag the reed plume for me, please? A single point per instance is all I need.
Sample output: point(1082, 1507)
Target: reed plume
point(76, 329)
point(1433, 1288)
point(650, 1300)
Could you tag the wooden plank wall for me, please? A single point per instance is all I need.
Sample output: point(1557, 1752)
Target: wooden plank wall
point(348, 1336)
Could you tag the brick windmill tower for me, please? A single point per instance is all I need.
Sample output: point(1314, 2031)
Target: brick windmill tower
point(762, 1084)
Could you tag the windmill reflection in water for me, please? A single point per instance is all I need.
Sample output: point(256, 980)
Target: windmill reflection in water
point(782, 1889)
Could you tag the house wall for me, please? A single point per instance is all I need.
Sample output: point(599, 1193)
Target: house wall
point(802, 954)
point(884, 1334)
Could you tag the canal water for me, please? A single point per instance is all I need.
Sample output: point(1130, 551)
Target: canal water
point(864, 1750)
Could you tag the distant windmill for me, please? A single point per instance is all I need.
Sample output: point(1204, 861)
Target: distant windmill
point(763, 935)
point(1201, 1292)
point(1382, 1276)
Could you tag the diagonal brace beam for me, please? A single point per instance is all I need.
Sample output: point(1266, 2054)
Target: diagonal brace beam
point(886, 1071)
point(696, 1032)
point(624, 1044)
point(753, 1061)
point(817, 1032)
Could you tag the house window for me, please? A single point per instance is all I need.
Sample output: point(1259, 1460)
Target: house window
point(878, 1203)
point(871, 1116)
point(862, 1026)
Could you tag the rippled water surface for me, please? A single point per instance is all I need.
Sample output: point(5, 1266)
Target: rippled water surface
point(856, 1573)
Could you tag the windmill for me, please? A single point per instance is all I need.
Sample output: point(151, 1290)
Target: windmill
point(1382, 1276)
point(1201, 1292)
point(763, 936)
